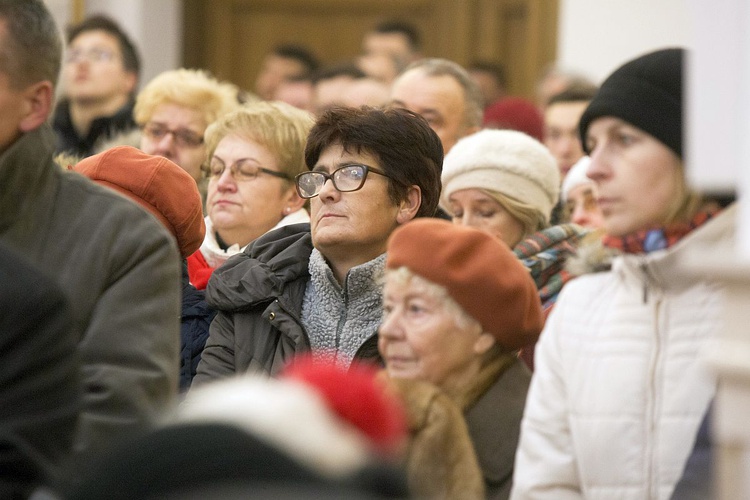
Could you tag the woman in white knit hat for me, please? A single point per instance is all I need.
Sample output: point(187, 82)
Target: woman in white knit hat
point(579, 197)
point(507, 183)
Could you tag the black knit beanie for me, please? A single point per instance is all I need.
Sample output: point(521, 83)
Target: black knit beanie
point(645, 92)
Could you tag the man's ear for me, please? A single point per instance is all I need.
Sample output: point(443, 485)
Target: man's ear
point(129, 82)
point(38, 98)
point(409, 207)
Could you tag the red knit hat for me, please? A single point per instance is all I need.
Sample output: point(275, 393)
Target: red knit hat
point(356, 397)
point(479, 272)
point(515, 113)
point(157, 184)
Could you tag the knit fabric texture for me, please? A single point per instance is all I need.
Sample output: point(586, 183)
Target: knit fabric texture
point(339, 319)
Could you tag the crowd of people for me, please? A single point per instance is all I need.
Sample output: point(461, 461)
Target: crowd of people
point(380, 279)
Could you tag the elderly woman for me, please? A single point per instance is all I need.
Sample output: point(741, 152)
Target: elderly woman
point(619, 393)
point(254, 153)
point(453, 319)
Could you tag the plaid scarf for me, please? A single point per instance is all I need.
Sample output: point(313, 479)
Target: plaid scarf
point(659, 238)
point(544, 254)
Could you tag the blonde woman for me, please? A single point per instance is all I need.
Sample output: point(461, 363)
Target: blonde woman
point(254, 153)
point(174, 110)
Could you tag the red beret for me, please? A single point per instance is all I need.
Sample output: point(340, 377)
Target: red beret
point(479, 272)
point(515, 113)
point(157, 184)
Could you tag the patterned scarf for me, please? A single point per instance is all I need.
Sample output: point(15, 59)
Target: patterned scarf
point(544, 254)
point(659, 238)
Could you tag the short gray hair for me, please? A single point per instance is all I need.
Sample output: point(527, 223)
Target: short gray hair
point(473, 100)
point(32, 45)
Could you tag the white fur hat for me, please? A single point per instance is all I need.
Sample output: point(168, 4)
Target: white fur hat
point(506, 161)
point(576, 177)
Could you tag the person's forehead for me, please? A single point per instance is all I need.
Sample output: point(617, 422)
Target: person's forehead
point(95, 37)
point(418, 88)
point(565, 110)
point(178, 116)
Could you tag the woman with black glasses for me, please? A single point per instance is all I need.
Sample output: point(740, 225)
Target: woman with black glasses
point(318, 287)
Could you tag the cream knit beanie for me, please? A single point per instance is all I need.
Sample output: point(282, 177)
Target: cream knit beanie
point(576, 177)
point(505, 161)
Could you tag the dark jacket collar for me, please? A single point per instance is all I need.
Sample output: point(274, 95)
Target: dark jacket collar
point(26, 169)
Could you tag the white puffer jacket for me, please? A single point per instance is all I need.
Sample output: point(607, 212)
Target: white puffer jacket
point(619, 390)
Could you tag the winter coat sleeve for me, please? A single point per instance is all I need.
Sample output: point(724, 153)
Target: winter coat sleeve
point(545, 461)
point(130, 347)
point(218, 357)
point(39, 376)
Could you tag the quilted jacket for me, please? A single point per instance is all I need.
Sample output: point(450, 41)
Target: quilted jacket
point(619, 389)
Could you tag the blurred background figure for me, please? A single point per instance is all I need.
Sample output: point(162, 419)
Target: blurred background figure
point(174, 110)
point(555, 80)
point(453, 355)
point(382, 67)
point(579, 195)
point(40, 385)
point(515, 113)
point(396, 38)
point(318, 431)
point(299, 92)
point(561, 116)
point(491, 80)
point(254, 154)
point(443, 93)
point(366, 92)
point(284, 63)
point(331, 83)
point(99, 81)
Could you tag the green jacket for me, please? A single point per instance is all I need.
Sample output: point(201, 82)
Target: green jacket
point(118, 267)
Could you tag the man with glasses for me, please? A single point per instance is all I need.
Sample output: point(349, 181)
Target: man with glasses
point(174, 110)
point(316, 287)
point(100, 75)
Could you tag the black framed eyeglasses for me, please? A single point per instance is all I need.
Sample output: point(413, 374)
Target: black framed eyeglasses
point(241, 170)
point(348, 178)
point(182, 137)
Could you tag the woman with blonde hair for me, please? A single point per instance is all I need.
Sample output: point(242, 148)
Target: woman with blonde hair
point(619, 392)
point(174, 110)
point(254, 153)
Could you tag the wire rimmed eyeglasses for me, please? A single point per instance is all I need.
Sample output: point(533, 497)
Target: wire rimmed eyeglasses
point(345, 179)
point(241, 170)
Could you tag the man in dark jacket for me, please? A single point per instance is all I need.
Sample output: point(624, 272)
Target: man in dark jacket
point(115, 263)
point(316, 287)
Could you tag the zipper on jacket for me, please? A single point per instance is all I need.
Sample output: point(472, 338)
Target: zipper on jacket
point(646, 279)
point(652, 434)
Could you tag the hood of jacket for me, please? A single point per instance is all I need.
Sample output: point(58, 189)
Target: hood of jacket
point(263, 270)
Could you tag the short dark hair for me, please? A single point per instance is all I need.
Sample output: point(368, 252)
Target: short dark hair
point(130, 59)
point(574, 93)
point(346, 68)
point(31, 50)
point(404, 144)
point(402, 28)
point(497, 71)
point(300, 54)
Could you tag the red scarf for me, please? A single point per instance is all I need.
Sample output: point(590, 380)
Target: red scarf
point(659, 238)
